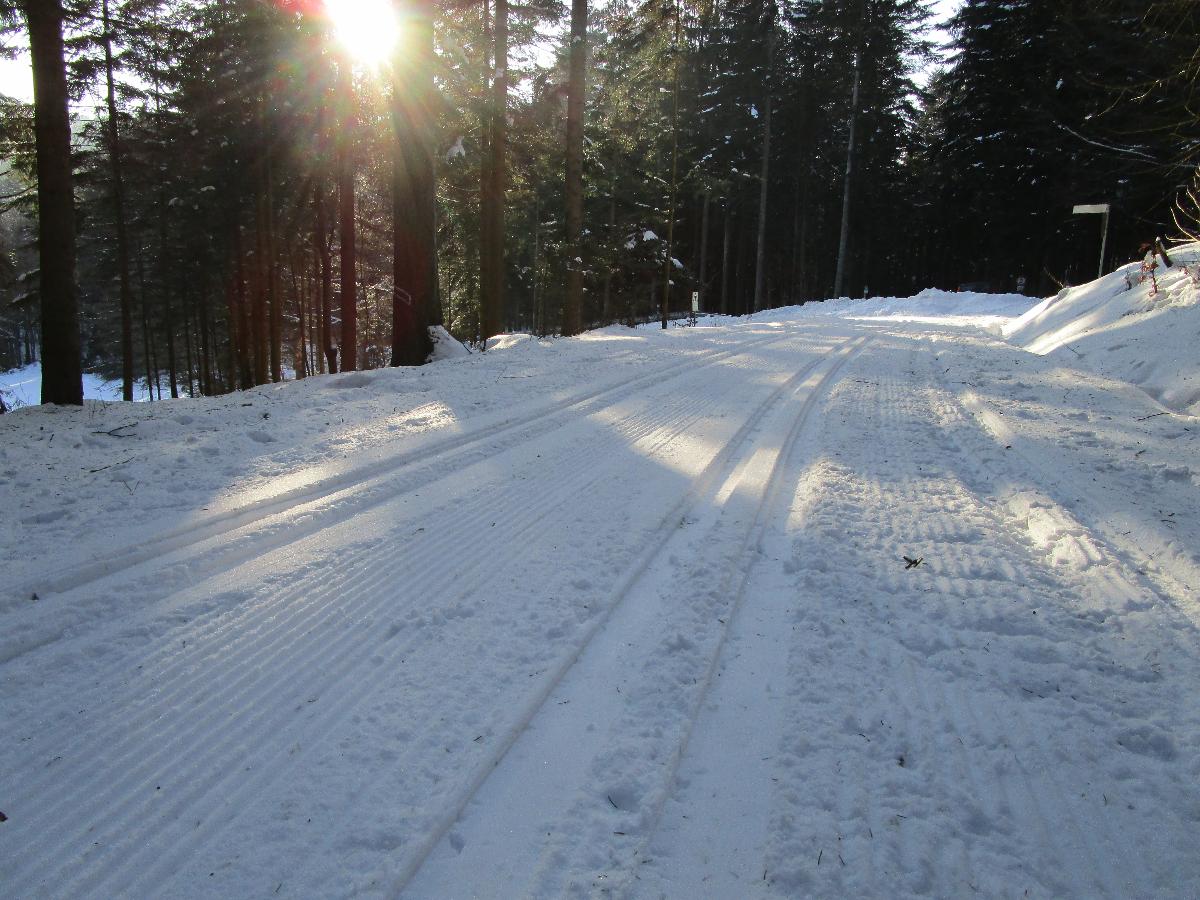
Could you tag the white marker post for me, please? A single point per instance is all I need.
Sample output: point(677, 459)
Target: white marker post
point(1102, 209)
point(695, 301)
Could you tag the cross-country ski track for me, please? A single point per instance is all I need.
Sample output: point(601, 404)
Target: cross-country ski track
point(651, 634)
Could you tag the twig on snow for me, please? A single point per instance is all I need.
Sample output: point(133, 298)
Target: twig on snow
point(113, 432)
point(111, 465)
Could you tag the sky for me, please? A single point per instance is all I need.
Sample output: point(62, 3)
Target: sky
point(16, 79)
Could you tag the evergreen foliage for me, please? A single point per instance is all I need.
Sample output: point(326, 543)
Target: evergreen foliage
point(234, 121)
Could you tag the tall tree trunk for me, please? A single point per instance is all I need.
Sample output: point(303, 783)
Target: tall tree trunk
point(230, 381)
point(274, 291)
point(321, 241)
point(187, 342)
point(793, 279)
point(147, 356)
point(315, 342)
point(414, 191)
point(742, 286)
point(764, 176)
point(239, 333)
point(205, 345)
point(573, 305)
point(485, 173)
point(761, 240)
point(346, 166)
point(667, 263)
point(233, 299)
point(844, 236)
point(498, 149)
point(168, 322)
point(259, 328)
point(492, 263)
point(702, 277)
point(168, 312)
point(118, 188)
point(606, 303)
point(537, 251)
point(62, 364)
point(300, 356)
point(725, 260)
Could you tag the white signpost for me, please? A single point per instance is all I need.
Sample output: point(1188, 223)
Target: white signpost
point(1098, 209)
point(695, 301)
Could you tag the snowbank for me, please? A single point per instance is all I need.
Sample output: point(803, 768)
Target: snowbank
point(932, 306)
point(445, 345)
point(1134, 334)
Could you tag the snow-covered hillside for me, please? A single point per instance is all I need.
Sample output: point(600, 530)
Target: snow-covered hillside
point(1143, 332)
point(859, 599)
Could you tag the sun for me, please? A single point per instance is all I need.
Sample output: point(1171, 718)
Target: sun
point(368, 29)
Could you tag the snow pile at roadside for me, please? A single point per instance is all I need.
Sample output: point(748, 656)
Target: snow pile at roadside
point(931, 306)
point(445, 345)
point(1134, 334)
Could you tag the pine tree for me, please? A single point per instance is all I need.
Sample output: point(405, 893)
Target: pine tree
point(414, 192)
point(62, 368)
point(573, 305)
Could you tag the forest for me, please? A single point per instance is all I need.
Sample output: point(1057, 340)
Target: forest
point(208, 195)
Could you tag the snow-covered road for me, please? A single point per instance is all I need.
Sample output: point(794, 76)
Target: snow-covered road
point(646, 632)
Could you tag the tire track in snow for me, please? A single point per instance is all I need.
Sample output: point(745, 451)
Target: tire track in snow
point(177, 660)
point(1064, 833)
point(532, 515)
point(859, 821)
point(1096, 573)
point(913, 696)
point(759, 461)
point(242, 630)
point(766, 511)
point(1056, 831)
point(1170, 586)
point(342, 648)
point(297, 513)
point(731, 771)
point(911, 626)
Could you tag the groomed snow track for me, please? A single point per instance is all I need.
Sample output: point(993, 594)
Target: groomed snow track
point(654, 638)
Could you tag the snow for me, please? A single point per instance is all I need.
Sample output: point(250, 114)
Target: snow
point(23, 387)
point(1134, 335)
point(626, 614)
point(446, 346)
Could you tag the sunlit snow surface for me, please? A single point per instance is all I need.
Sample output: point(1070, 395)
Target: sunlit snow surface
point(627, 614)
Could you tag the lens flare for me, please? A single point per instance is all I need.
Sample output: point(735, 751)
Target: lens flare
point(367, 28)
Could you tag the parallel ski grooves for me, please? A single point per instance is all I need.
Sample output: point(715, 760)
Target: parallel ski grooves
point(288, 502)
point(285, 629)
